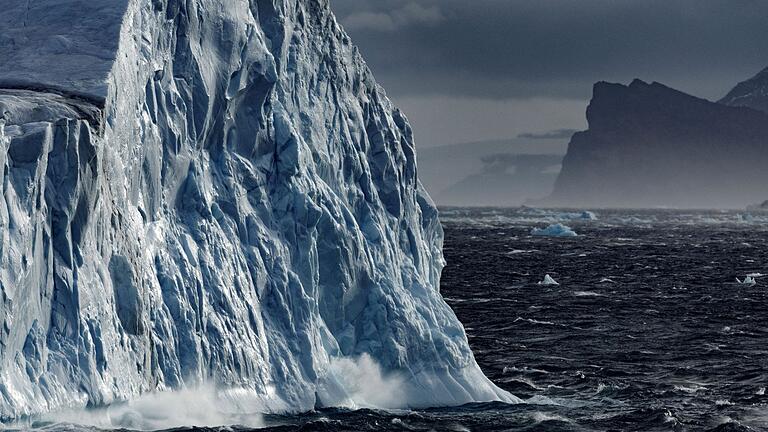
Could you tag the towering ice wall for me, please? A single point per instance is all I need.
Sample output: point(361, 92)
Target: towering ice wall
point(210, 190)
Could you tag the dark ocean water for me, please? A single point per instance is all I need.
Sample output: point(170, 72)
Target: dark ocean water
point(648, 329)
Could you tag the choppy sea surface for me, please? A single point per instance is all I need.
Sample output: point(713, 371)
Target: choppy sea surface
point(648, 328)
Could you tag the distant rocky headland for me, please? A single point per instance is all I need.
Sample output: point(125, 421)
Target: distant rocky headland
point(649, 145)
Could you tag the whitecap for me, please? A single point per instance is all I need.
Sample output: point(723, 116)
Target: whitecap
point(541, 417)
point(554, 230)
point(533, 321)
point(521, 251)
point(587, 294)
point(203, 406)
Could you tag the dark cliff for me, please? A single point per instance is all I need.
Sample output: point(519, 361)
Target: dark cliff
point(752, 93)
point(652, 146)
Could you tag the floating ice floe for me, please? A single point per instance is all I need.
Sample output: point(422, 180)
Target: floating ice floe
point(548, 281)
point(554, 230)
point(749, 280)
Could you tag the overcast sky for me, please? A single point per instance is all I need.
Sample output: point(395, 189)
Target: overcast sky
point(469, 70)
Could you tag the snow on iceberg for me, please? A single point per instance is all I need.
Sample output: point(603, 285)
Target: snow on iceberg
point(554, 230)
point(210, 191)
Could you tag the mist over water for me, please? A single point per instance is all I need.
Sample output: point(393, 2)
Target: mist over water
point(202, 406)
point(367, 386)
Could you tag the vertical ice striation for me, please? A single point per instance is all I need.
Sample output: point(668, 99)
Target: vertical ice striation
point(210, 190)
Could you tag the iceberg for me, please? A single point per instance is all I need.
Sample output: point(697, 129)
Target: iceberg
point(554, 230)
point(749, 281)
point(211, 192)
point(548, 281)
point(746, 218)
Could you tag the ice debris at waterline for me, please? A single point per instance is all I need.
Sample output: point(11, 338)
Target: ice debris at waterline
point(554, 230)
point(548, 281)
point(211, 191)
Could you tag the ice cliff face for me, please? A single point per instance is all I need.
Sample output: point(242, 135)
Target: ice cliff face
point(210, 190)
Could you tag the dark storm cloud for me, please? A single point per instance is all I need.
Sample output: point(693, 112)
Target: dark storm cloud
point(556, 48)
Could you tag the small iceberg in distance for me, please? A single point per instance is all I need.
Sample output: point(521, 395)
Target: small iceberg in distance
point(554, 230)
point(746, 218)
point(749, 281)
point(588, 215)
point(548, 281)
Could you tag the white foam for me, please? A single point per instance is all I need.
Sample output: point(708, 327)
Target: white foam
point(204, 406)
